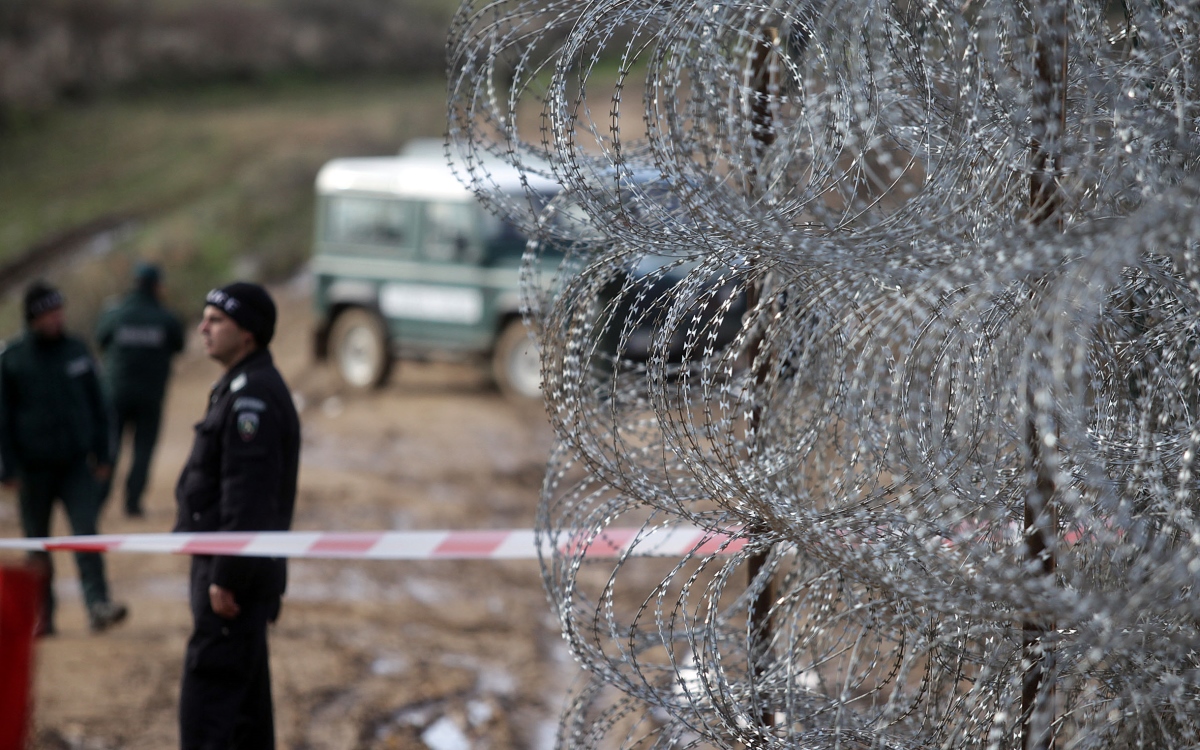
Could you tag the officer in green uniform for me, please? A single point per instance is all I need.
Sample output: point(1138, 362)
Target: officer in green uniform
point(54, 442)
point(138, 338)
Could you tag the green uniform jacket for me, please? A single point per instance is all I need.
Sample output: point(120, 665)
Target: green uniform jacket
point(52, 411)
point(138, 338)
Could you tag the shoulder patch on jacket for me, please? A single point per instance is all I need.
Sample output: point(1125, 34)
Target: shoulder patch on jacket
point(247, 425)
point(249, 403)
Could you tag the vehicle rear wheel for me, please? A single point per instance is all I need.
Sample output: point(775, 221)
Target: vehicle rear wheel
point(516, 367)
point(358, 347)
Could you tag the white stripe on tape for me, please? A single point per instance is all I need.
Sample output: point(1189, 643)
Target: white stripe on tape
point(512, 544)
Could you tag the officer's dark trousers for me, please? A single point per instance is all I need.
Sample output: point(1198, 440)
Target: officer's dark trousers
point(225, 703)
point(74, 484)
point(142, 415)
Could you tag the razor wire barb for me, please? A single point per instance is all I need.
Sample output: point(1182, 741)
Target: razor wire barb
point(819, 302)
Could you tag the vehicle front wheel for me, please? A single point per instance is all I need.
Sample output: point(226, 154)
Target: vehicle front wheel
point(358, 347)
point(515, 364)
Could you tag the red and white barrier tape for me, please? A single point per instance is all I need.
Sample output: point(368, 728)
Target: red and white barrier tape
point(483, 544)
point(513, 544)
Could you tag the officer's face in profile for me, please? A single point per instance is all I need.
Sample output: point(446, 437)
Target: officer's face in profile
point(50, 324)
point(224, 340)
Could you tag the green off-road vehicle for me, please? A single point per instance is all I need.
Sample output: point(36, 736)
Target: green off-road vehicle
point(408, 264)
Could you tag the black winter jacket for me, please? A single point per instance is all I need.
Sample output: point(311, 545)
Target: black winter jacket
point(52, 410)
point(241, 474)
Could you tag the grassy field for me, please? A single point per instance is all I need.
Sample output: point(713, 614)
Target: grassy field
point(217, 181)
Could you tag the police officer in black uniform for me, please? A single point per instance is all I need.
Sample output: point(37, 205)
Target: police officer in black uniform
point(240, 476)
point(138, 338)
point(55, 444)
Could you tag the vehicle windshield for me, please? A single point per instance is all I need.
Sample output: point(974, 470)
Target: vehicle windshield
point(368, 220)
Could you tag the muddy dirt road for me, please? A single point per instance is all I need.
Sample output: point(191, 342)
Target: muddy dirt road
point(366, 654)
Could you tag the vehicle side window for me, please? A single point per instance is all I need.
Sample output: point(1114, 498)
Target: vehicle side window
point(503, 241)
point(500, 230)
point(448, 232)
point(370, 221)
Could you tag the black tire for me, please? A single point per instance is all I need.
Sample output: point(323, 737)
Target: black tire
point(358, 349)
point(516, 367)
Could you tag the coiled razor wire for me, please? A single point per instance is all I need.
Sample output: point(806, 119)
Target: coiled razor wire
point(905, 294)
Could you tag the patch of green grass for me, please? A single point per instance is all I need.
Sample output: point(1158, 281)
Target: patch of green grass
point(218, 179)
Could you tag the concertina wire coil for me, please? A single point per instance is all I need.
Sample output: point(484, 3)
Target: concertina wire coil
point(794, 285)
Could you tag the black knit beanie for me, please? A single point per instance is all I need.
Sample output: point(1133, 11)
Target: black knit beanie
point(250, 307)
point(40, 297)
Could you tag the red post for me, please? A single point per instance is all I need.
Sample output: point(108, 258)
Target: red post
point(20, 606)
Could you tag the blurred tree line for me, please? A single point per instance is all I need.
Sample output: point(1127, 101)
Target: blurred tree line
point(55, 50)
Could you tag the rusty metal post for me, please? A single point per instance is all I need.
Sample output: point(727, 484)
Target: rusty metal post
point(1041, 518)
point(763, 132)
